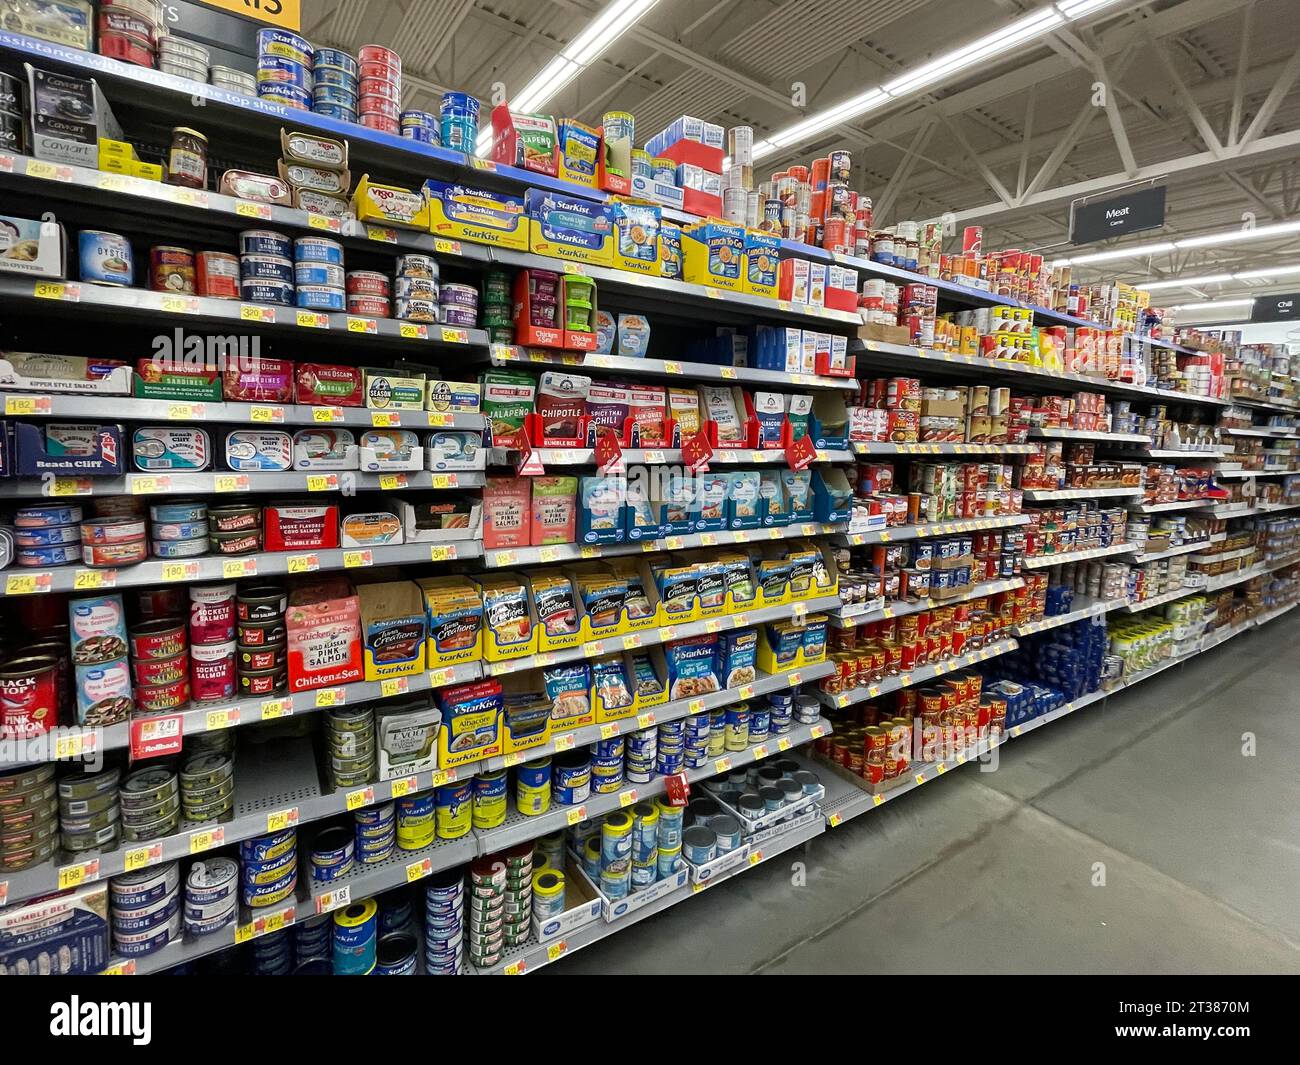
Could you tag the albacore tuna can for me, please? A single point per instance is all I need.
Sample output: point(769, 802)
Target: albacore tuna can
point(396, 954)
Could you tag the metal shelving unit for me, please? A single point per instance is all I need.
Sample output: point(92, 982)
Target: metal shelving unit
point(218, 567)
point(1089, 609)
point(1161, 508)
point(1086, 434)
point(510, 355)
point(495, 557)
point(586, 456)
point(1136, 605)
point(89, 303)
point(1040, 561)
point(864, 447)
point(1181, 549)
point(798, 610)
point(133, 409)
point(917, 676)
point(923, 531)
point(224, 482)
point(847, 617)
point(1046, 495)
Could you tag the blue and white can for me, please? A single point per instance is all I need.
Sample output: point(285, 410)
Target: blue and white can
point(669, 861)
point(458, 121)
point(643, 876)
point(266, 242)
point(671, 819)
point(320, 297)
point(334, 58)
point(284, 45)
point(289, 95)
point(105, 258)
point(272, 68)
point(318, 250)
point(265, 268)
point(278, 292)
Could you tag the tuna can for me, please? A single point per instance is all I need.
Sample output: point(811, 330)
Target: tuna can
point(737, 732)
point(489, 799)
point(671, 819)
point(606, 775)
point(419, 134)
point(48, 556)
point(532, 801)
point(395, 955)
point(644, 874)
point(727, 830)
point(105, 258)
point(699, 844)
point(356, 937)
point(534, 774)
point(285, 45)
point(616, 841)
point(336, 59)
point(571, 778)
point(458, 121)
point(454, 809)
point(318, 250)
point(415, 822)
point(645, 831)
point(616, 883)
point(781, 719)
point(591, 858)
point(50, 536)
point(342, 114)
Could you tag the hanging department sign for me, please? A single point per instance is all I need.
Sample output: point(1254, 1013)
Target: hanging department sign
point(1129, 212)
point(286, 14)
point(1283, 308)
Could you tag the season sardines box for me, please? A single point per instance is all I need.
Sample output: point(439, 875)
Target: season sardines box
point(566, 227)
point(462, 212)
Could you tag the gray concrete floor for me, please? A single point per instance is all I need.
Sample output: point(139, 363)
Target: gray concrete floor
point(994, 872)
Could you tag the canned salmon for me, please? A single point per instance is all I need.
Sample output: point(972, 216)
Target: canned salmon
point(29, 704)
point(151, 671)
point(166, 696)
point(257, 659)
point(159, 638)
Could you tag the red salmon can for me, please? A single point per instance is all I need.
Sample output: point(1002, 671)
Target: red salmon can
point(158, 638)
point(212, 671)
point(263, 603)
point(155, 671)
point(167, 696)
point(258, 659)
point(264, 682)
point(29, 697)
point(262, 633)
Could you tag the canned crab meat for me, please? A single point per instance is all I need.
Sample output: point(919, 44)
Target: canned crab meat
point(367, 283)
point(460, 295)
point(369, 306)
point(458, 316)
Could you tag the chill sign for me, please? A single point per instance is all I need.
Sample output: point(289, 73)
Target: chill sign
point(1130, 212)
point(1281, 308)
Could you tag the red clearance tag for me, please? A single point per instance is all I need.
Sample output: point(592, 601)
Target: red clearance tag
point(801, 454)
point(697, 451)
point(677, 788)
point(609, 454)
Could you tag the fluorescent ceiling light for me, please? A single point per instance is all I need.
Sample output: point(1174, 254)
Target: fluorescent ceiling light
point(606, 28)
point(1231, 236)
point(1034, 25)
point(1206, 305)
point(1216, 279)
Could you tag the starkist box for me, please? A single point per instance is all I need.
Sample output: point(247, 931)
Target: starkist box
point(393, 625)
point(471, 723)
point(324, 635)
point(566, 227)
point(713, 253)
point(762, 263)
point(462, 212)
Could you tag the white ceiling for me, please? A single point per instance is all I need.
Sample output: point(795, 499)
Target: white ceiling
point(1027, 124)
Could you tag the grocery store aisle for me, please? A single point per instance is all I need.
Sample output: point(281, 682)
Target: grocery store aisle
point(1198, 845)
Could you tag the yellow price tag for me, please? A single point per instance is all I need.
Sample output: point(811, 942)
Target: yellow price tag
point(245, 209)
point(325, 415)
point(312, 320)
point(230, 482)
point(578, 813)
point(321, 482)
point(608, 731)
point(266, 414)
point(207, 838)
point(835, 820)
point(783, 744)
point(418, 870)
point(413, 331)
point(361, 325)
point(627, 798)
point(404, 786)
point(645, 720)
point(279, 820)
point(359, 798)
point(244, 932)
point(139, 857)
point(219, 719)
point(234, 568)
point(746, 692)
point(322, 221)
point(331, 697)
point(252, 312)
point(672, 367)
point(25, 405)
point(695, 706)
point(175, 571)
point(391, 482)
point(179, 305)
point(444, 480)
point(728, 373)
point(516, 968)
point(273, 708)
point(86, 580)
point(556, 950)
point(50, 290)
point(565, 742)
point(722, 765)
point(443, 246)
point(394, 686)
point(876, 800)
